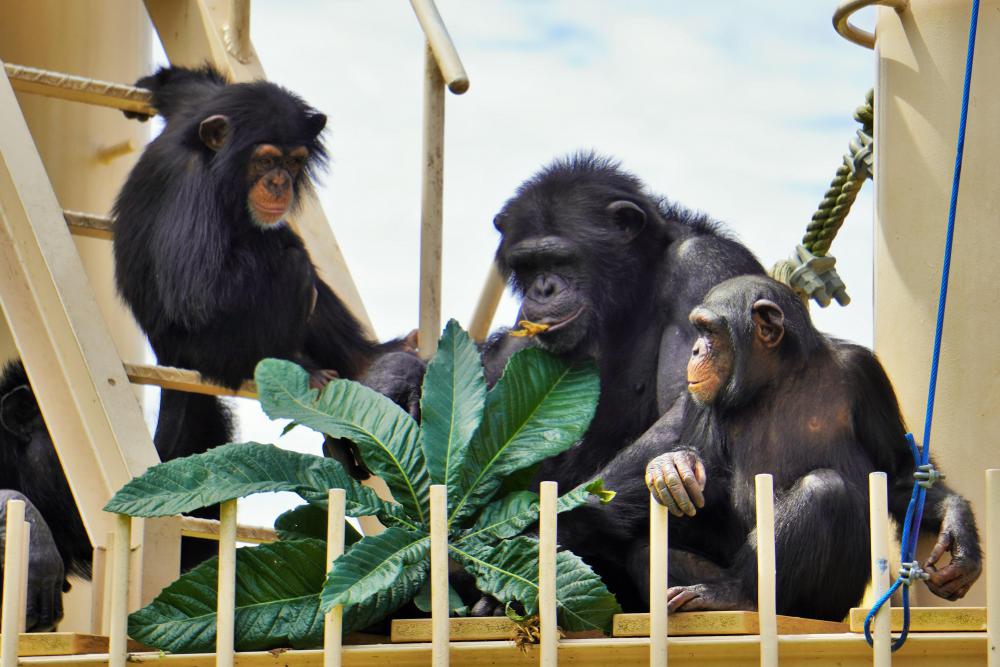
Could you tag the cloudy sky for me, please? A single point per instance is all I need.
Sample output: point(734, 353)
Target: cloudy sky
point(741, 109)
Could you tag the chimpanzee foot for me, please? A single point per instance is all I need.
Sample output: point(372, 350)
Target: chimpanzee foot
point(319, 379)
point(487, 606)
point(716, 596)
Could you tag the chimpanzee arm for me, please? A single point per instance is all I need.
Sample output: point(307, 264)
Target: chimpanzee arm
point(879, 427)
point(46, 574)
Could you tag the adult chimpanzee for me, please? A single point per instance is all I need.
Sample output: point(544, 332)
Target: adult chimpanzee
point(614, 273)
point(203, 254)
point(772, 394)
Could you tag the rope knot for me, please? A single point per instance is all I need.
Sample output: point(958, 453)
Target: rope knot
point(910, 573)
point(927, 475)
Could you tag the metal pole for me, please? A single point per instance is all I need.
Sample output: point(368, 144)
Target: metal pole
point(226, 603)
point(658, 557)
point(878, 497)
point(766, 572)
point(431, 207)
point(334, 621)
point(439, 575)
point(547, 608)
point(13, 581)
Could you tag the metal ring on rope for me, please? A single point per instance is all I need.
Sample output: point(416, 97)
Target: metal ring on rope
point(852, 33)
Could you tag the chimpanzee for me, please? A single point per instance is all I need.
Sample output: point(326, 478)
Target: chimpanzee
point(30, 470)
point(773, 395)
point(203, 254)
point(614, 272)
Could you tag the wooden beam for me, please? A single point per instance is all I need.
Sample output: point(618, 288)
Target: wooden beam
point(78, 89)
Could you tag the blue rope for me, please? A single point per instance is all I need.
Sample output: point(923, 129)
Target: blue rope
point(915, 510)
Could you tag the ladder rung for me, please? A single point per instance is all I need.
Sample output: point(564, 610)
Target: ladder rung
point(79, 89)
point(208, 529)
point(89, 224)
point(183, 380)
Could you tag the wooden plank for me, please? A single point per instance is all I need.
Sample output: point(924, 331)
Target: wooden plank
point(929, 619)
point(66, 643)
point(78, 89)
point(488, 628)
point(182, 379)
point(696, 623)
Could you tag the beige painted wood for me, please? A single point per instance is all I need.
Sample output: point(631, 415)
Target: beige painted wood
point(98, 596)
point(547, 542)
point(22, 604)
point(13, 581)
point(89, 224)
point(184, 380)
point(117, 629)
point(878, 498)
point(928, 619)
point(993, 565)
point(766, 571)
point(191, 33)
point(66, 643)
point(921, 61)
point(659, 625)
point(431, 206)
point(439, 41)
point(486, 306)
point(63, 86)
point(333, 623)
point(707, 623)
point(840, 650)
point(439, 575)
point(208, 529)
point(225, 612)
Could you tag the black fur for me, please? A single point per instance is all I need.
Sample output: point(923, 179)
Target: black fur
point(819, 420)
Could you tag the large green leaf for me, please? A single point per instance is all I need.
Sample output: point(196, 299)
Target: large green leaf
point(239, 470)
point(539, 408)
point(277, 602)
point(451, 405)
point(375, 564)
point(509, 571)
point(375, 608)
point(510, 515)
point(388, 436)
point(309, 522)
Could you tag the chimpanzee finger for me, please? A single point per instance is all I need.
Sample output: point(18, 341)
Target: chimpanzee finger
point(700, 474)
point(676, 486)
point(678, 596)
point(658, 487)
point(942, 545)
point(691, 485)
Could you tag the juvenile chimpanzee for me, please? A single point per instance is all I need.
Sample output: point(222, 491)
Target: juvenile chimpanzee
point(203, 254)
point(773, 395)
point(614, 272)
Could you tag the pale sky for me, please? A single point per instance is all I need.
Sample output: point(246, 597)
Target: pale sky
point(741, 109)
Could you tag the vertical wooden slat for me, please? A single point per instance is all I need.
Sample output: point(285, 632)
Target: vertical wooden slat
point(13, 572)
point(118, 620)
point(547, 541)
point(766, 572)
point(98, 593)
point(22, 605)
point(226, 609)
point(993, 567)
point(334, 621)
point(439, 575)
point(878, 498)
point(658, 556)
point(431, 206)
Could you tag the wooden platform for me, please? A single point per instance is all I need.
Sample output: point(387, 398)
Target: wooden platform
point(929, 619)
point(699, 623)
point(66, 643)
point(713, 623)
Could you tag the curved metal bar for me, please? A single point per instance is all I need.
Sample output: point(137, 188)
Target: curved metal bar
point(440, 42)
point(842, 15)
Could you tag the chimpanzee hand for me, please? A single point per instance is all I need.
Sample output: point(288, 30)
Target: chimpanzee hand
point(398, 375)
point(677, 480)
point(720, 595)
point(952, 581)
point(46, 575)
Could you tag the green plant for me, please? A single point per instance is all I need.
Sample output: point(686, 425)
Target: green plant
point(470, 439)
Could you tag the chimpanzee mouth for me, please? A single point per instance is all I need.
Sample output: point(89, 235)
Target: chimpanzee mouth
point(559, 324)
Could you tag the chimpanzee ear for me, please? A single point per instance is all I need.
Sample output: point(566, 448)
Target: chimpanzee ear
point(316, 123)
point(17, 410)
point(214, 131)
point(768, 322)
point(628, 217)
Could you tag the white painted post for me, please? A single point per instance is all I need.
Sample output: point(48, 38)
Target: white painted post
point(878, 497)
point(658, 556)
point(118, 630)
point(109, 582)
point(547, 607)
point(13, 582)
point(767, 617)
point(333, 623)
point(225, 611)
point(22, 606)
point(993, 567)
point(440, 625)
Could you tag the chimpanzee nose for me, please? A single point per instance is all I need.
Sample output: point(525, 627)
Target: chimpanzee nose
point(544, 287)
